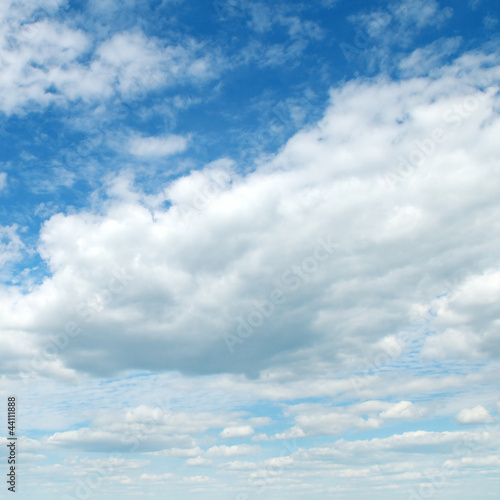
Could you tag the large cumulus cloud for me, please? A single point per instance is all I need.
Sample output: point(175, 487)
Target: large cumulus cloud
point(314, 259)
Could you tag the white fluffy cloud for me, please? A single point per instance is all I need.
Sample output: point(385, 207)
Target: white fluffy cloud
point(154, 429)
point(316, 419)
point(333, 241)
point(397, 23)
point(467, 319)
point(198, 461)
point(403, 410)
point(47, 57)
point(232, 451)
point(476, 415)
point(237, 431)
point(423, 442)
point(157, 146)
point(286, 327)
point(11, 244)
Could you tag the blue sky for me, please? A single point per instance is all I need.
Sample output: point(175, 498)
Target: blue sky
point(250, 250)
